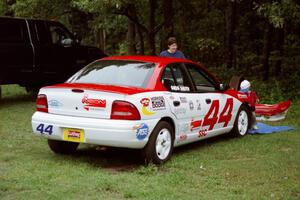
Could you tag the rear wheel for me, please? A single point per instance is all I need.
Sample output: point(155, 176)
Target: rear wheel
point(160, 145)
point(242, 122)
point(62, 147)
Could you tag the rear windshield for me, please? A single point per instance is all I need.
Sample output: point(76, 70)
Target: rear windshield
point(115, 72)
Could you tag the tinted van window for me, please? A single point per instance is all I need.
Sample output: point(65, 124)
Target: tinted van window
point(12, 31)
point(115, 72)
point(42, 33)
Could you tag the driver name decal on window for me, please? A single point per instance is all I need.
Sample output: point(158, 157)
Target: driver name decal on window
point(180, 88)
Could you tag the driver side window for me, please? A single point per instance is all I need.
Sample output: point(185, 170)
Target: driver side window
point(201, 80)
point(59, 35)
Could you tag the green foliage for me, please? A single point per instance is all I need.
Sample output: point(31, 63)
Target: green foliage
point(4, 8)
point(54, 9)
point(278, 12)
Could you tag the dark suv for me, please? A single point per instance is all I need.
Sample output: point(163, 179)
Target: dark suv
point(35, 53)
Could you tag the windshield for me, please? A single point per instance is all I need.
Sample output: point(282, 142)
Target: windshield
point(115, 72)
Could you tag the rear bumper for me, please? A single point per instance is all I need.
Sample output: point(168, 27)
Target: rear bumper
point(107, 132)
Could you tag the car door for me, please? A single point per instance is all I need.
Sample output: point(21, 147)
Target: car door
point(181, 99)
point(216, 108)
point(54, 55)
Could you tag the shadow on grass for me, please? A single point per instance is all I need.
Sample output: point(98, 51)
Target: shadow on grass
point(110, 158)
point(203, 143)
point(17, 99)
point(122, 160)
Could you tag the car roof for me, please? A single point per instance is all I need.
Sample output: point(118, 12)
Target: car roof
point(161, 60)
point(154, 59)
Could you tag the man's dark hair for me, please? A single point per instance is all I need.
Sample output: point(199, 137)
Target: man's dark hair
point(171, 40)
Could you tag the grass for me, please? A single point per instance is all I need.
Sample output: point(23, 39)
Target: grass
point(252, 167)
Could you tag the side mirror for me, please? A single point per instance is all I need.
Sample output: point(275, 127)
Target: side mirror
point(223, 86)
point(67, 42)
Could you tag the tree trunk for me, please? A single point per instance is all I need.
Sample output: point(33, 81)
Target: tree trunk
point(141, 38)
point(152, 22)
point(101, 39)
point(168, 14)
point(231, 25)
point(267, 50)
point(131, 50)
point(279, 47)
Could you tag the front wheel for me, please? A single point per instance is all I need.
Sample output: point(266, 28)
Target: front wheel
point(160, 145)
point(62, 147)
point(242, 122)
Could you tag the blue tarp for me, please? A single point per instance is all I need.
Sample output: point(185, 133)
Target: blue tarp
point(267, 129)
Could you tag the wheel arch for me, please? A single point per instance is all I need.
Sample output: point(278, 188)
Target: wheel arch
point(170, 121)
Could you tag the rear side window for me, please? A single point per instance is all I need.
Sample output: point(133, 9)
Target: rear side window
point(13, 31)
point(42, 33)
point(115, 72)
point(175, 79)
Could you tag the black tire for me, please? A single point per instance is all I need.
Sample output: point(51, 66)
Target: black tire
point(62, 147)
point(239, 132)
point(32, 91)
point(150, 153)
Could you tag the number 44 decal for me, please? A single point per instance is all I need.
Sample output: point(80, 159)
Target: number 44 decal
point(211, 118)
point(42, 129)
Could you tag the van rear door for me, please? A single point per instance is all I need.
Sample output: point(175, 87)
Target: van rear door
point(16, 51)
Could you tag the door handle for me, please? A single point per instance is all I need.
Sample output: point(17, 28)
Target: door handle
point(176, 103)
point(208, 101)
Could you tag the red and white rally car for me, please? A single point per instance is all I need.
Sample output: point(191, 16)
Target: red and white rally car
point(140, 102)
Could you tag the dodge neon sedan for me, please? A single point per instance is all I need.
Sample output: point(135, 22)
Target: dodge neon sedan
point(140, 102)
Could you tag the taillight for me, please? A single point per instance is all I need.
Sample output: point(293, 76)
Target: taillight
point(41, 103)
point(124, 110)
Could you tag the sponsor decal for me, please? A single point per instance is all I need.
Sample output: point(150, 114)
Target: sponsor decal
point(54, 103)
point(93, 103)
point(158, 103)
point(184, 128)
point(182, 137)
point(180, 88)
point(242, 96)
point(178, 111)
point(195, 124)
point(74, 134)
point(198, 104)
point(191, 104)
point(142, 131)
point(145, 104)
point(202, 133)
point(183, 99)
